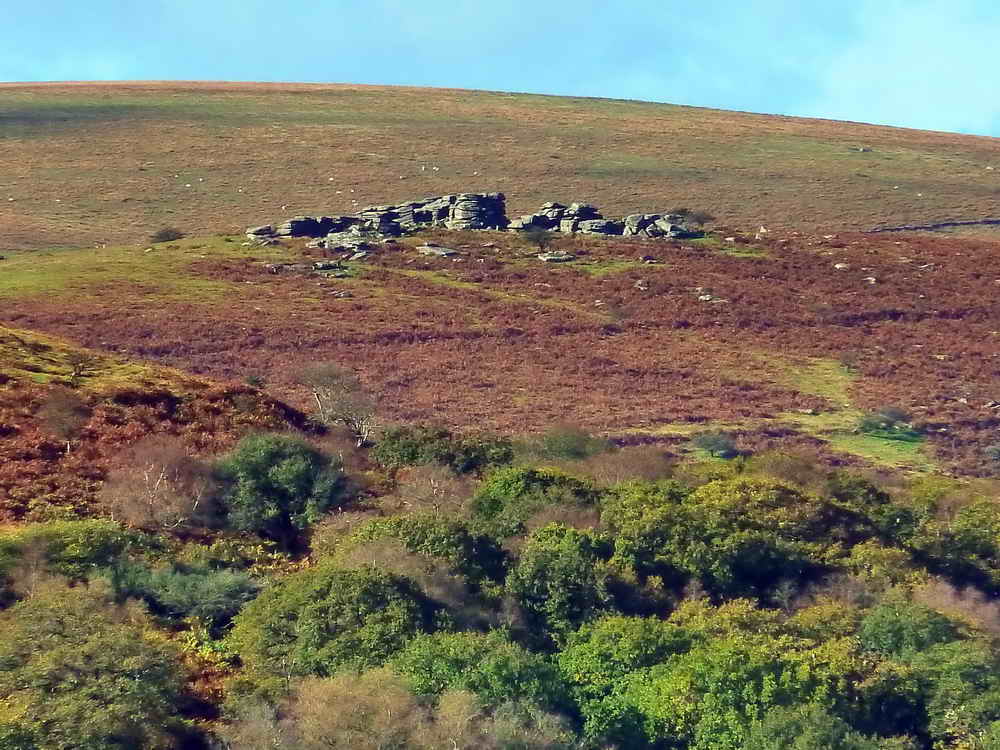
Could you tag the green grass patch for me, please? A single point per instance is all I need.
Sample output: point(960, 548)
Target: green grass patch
point(30, 356)
point(893, 454)
point(162, 272)
point(600, 269)
point(732, 249)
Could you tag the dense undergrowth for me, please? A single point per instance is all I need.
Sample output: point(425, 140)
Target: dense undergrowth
point(439, 590)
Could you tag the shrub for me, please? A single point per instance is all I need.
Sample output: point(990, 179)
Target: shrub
point(158, 486)
point(508, 497)
point(712, 696)
point(992, 454)
point(540, 238)
point(213, 596)
point(960, 692)
point(720, 444)
point(279, 485)
point(599, 655)
point(320, 620)
point(340, 399)
point(734, 537)
point(891, 423)
point(424, 444)
point(559, 581)
point(569, 443)
point(166, 234)
point(74, 549)
point(64, 414)
point(375, 711)
point(432, 488)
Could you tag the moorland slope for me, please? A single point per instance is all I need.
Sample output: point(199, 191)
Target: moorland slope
point(86, 164)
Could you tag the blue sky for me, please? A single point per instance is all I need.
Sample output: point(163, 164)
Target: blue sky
point(931, 64)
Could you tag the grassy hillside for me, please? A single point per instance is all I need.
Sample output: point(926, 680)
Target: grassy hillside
point(86, 164)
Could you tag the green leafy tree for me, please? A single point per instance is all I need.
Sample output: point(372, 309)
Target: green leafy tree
point(736, 537)
point(279, 485)
point(496, 670)
point(323, 619)
point(510, 496)
point(560, 581)
point(711, 696)
point(599, 657)
point(901, 628)
point(74, 549)
point(805, 727)
point(478, 558)
point(960, 691)
point(76, 671)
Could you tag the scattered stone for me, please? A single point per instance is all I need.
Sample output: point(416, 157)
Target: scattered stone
point(556, 256)
point(870, 279)
point(359, 255)
point(437, 251)
point(841, 266)
point(642, 285)
point(326, 265)
point(264, 229)
point(992, 404)
point(343, 294)
point(648, 259)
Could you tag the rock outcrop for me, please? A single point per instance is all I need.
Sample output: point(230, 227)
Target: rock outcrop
point(466, 211)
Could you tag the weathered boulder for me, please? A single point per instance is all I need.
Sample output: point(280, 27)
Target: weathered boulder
point(436, 251)
point(583, 211)
point(478, 211)
point(299, 226)
point(600, 226)
point(354, 239)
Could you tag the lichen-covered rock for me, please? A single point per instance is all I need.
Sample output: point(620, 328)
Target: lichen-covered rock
point(478, 211)
point(600, 226)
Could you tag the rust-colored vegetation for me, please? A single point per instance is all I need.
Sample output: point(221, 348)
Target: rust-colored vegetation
point(788, 339)
point(62, 426)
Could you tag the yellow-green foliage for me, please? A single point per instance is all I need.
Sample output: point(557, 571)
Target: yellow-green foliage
point(27, 356)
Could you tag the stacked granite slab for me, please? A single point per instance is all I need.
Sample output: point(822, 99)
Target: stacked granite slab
point(656, 226)
point(557, 217)
point(586, 219)
point(459, 211)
